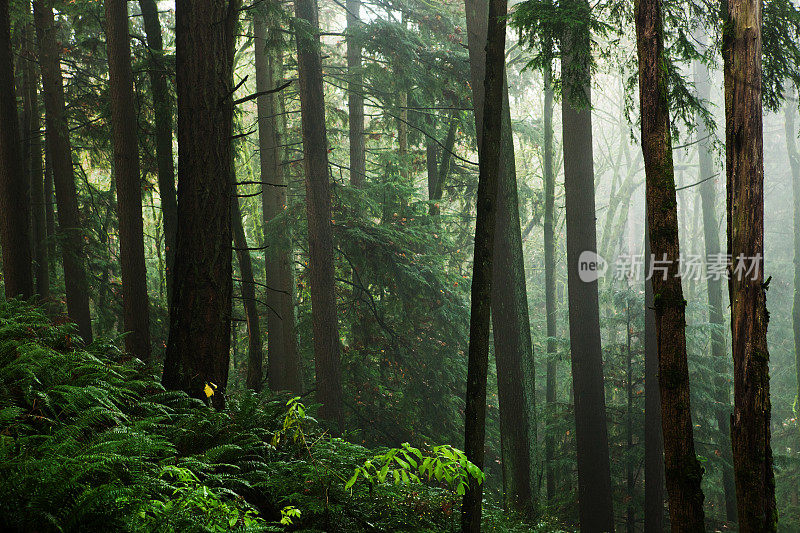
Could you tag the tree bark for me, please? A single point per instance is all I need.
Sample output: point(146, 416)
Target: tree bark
point(318, 208)
point(198, 349)
point(510, 321)
point(591, 434)
point(682, 469)
point(135, 304)
point(355, 98)
point(283, 355)
point(744, 157)
point(490, 164)
point(158, 72)
point(14, 201)
point(60, 151)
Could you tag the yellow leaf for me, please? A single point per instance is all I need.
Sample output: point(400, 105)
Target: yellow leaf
point(209, 389)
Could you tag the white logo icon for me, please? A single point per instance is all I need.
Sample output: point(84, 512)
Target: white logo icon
point(591, 266)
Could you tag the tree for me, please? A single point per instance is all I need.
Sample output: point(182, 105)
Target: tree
point(355, 97)
point(591, 434)
point(318, 208)
point(510, 321)
point(60, 155)
point(197, 355)
point(681, 467)
point(135, 305)
point(744, 158)
point(14, 202)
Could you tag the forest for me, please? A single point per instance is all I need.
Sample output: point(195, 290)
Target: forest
point(400, 266)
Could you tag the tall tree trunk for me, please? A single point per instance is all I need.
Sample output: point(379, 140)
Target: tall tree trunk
point(653, 436)
point(708, 195)
point(50, 213)
point(60, 150)
point(789, 112)
point(630, 466)
point(135, 305)
point(355, 98)
point(198, 349)
point(283, 355)
point(510, 322)
point(744, 156)
point(682, 469)
point(436, 186)
point(549, 279)
point(14, 201)
point(318, 207)
point(591, 434)
point(255, 352)
point(158, 73)
point(491, 161)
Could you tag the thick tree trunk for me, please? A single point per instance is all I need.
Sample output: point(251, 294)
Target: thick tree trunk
point(682, 469)
point(355, 98)
point(198, 350)
point(283, 355)
point(708, 195)
point(135, 305)
point(49, 205)
point(318, 207)
point(14, 201)
point(789, 113)
point(490, 158)
point(653, 436)
point(158, 73)
point(255, 352)
point(744, 157)
point(60, 151)
point(510, 322)
point(591, 434)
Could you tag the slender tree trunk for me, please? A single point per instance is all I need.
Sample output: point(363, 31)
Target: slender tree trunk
point(630, 475)
point(436, 186)
point(490, 159)
point(789, 113)
point(682, 469)
point(708, 195)
point(744, 156)
point(255, 353)
point(318, 207)
point(510, 321)
point(591, 434)
point(60, 152)
point(158, 73)
point(653, 435)
point(198, 349)
point(284, 358)
point(355, 98)
point(135, 305)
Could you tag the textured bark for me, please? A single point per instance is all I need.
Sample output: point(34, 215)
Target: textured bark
point(490, 164)
point(49, 204)
point(708, 195)
point(682, 470)
point(318, 208)
point(158, 74)
point(591, 434)
point(744, 157)
point(794, 162)
point(200, 316)
point(283, 355)
point(355, 99)
point(60, 152)
point(255, 352)
point(510, 321)
point(653, 436)
point(135, 305)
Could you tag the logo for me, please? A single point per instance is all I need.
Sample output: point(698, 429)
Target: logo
point(591, 266)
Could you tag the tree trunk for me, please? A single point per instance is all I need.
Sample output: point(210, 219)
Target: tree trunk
point(14, 201)
point(744, 157)
point(510, 322)
point(255, 353)
point(490, 159)
point(653, 436)
point(49, 204)
point(789, 113)
point(158, 74)
point(283, 356)
point(591, 434)
point(198, 349)
point(60, 150)
point(355, 98)
point(318, 207)
point(682, 469)
point(708, 195)
point(135, 305)
point(436, 186)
